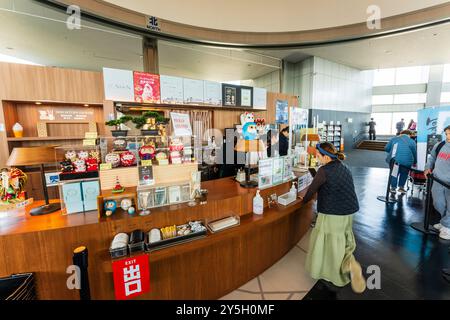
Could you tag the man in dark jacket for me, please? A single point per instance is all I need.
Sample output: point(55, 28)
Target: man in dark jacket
point(284, 141)
point(372, 133)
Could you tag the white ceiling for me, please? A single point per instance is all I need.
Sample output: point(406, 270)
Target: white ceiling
point(424, 47)
point(270, 16)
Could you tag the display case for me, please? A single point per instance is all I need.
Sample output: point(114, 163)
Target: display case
point(78, 162)
point(163, 194)
point(79, 195)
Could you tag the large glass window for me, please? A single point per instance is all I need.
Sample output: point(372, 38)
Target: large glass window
point(386, 121)
point(411, 75)
point(446, 73)
point(410, 98)
point(384, 77)
point(445, 97)
point(383, 99)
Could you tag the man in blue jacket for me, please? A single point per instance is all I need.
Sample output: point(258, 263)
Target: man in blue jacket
point(401, 149)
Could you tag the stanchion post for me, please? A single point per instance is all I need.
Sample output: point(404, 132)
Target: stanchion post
point(80, 259)
point(386, 198)
point(425, 226)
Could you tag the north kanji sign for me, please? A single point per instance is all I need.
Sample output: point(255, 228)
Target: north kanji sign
point(131, 277)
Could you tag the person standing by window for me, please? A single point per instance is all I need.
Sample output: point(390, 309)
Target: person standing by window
point(332, 243)
point(372, 133)
point(400, 126)
point(439, 164)
point(401, 150)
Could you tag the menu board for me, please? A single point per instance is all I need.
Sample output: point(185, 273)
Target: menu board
point(212, 93)
point(171, 89)
point(230, 95)
point(265, 170)
point(259, 98)
point(146, 87)
point(278, 164)
point(50, 113)
point(118, 84)
point(246, 96)
point(193, 91)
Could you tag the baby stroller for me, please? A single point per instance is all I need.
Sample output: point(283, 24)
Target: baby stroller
point(416, 178)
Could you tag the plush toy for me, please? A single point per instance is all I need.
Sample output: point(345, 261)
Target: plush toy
point(94, 154)
point(147, 152)
point(247, 117)
point(80, 165)
point(249, 131)
point(260, 125)
point(127, 159)
point(71, 155)
point(113, 158)
point(83, 155)
point(66, 166)
point(91, 164)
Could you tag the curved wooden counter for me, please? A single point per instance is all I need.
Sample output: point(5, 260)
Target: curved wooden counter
point(207, 268)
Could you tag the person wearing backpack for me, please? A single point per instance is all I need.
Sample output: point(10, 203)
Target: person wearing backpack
point(403, 151)
point(439, 164)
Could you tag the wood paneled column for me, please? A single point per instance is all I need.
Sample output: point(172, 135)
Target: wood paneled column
point(150, 55)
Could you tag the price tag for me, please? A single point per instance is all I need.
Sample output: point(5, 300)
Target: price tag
point(105, 166)
point(91, 135)
point(146, 163)
point(89, 142)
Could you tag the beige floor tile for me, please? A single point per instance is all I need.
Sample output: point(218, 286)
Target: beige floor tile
point(276, 296)
point(304, 242)
point(288, 274)
point(238, 295)
point(252, 286)
point(298, 296)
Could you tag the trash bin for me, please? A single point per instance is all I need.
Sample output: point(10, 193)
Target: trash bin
point(18, 287)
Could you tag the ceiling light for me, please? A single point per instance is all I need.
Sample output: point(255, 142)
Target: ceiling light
point(86, 105)
point(37, 102)
point(387, 51)
point(10, 48)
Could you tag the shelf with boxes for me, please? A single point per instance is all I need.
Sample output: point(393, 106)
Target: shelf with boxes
point(331, 133)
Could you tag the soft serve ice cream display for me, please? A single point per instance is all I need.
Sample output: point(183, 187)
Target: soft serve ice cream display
point(17, 130)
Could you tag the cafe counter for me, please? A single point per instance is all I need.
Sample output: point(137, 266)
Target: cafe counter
point(207, 268)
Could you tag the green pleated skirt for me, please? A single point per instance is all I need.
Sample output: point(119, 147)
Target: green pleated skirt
point(331, 247)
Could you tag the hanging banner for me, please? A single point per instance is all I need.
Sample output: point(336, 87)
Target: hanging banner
point(171, 89)
point(193, 91)
point(212, 93)
point(146, 87)
point(430, 125)
point(181, 124)
point(259, 98)
point(131, 277)
point(118, 84)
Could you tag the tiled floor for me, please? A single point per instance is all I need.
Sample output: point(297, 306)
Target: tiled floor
point(285, 280)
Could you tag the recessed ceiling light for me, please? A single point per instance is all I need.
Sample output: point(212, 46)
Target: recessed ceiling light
point(435, 34)
point(86, 105)
point(387, 51)
point(37, 102)
point(10, 48)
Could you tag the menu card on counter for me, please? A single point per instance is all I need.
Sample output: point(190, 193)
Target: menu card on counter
point(213, 93)
point(146, 87)
point(278, 164)
point(193, 91)
point(171, 89)
point(287, 170)
point(265, 170)
point(146, 176)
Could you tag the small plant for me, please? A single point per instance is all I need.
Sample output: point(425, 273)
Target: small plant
point(117, 122)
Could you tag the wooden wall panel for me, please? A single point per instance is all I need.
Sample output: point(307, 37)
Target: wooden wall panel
point(31, 83)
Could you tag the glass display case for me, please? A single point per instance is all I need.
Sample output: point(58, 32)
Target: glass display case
point(77, 162)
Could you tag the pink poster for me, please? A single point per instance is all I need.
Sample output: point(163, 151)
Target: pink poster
point(146, 87)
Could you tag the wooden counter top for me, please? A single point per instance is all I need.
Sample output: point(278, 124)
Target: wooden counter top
point(44, 245)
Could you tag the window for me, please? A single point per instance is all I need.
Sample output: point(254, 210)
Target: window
point(445, 97)
point(386, 121)
point(383, 99)
point(384, 77)
point(410, 98)
point(446, 73)
point(411, 75)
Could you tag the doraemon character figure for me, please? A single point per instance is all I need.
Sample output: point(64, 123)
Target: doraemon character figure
point(247, 117)
point(110, 207)
point(249, 131)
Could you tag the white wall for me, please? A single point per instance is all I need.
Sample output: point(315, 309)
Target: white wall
point(269, 81)
point(340, 88)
